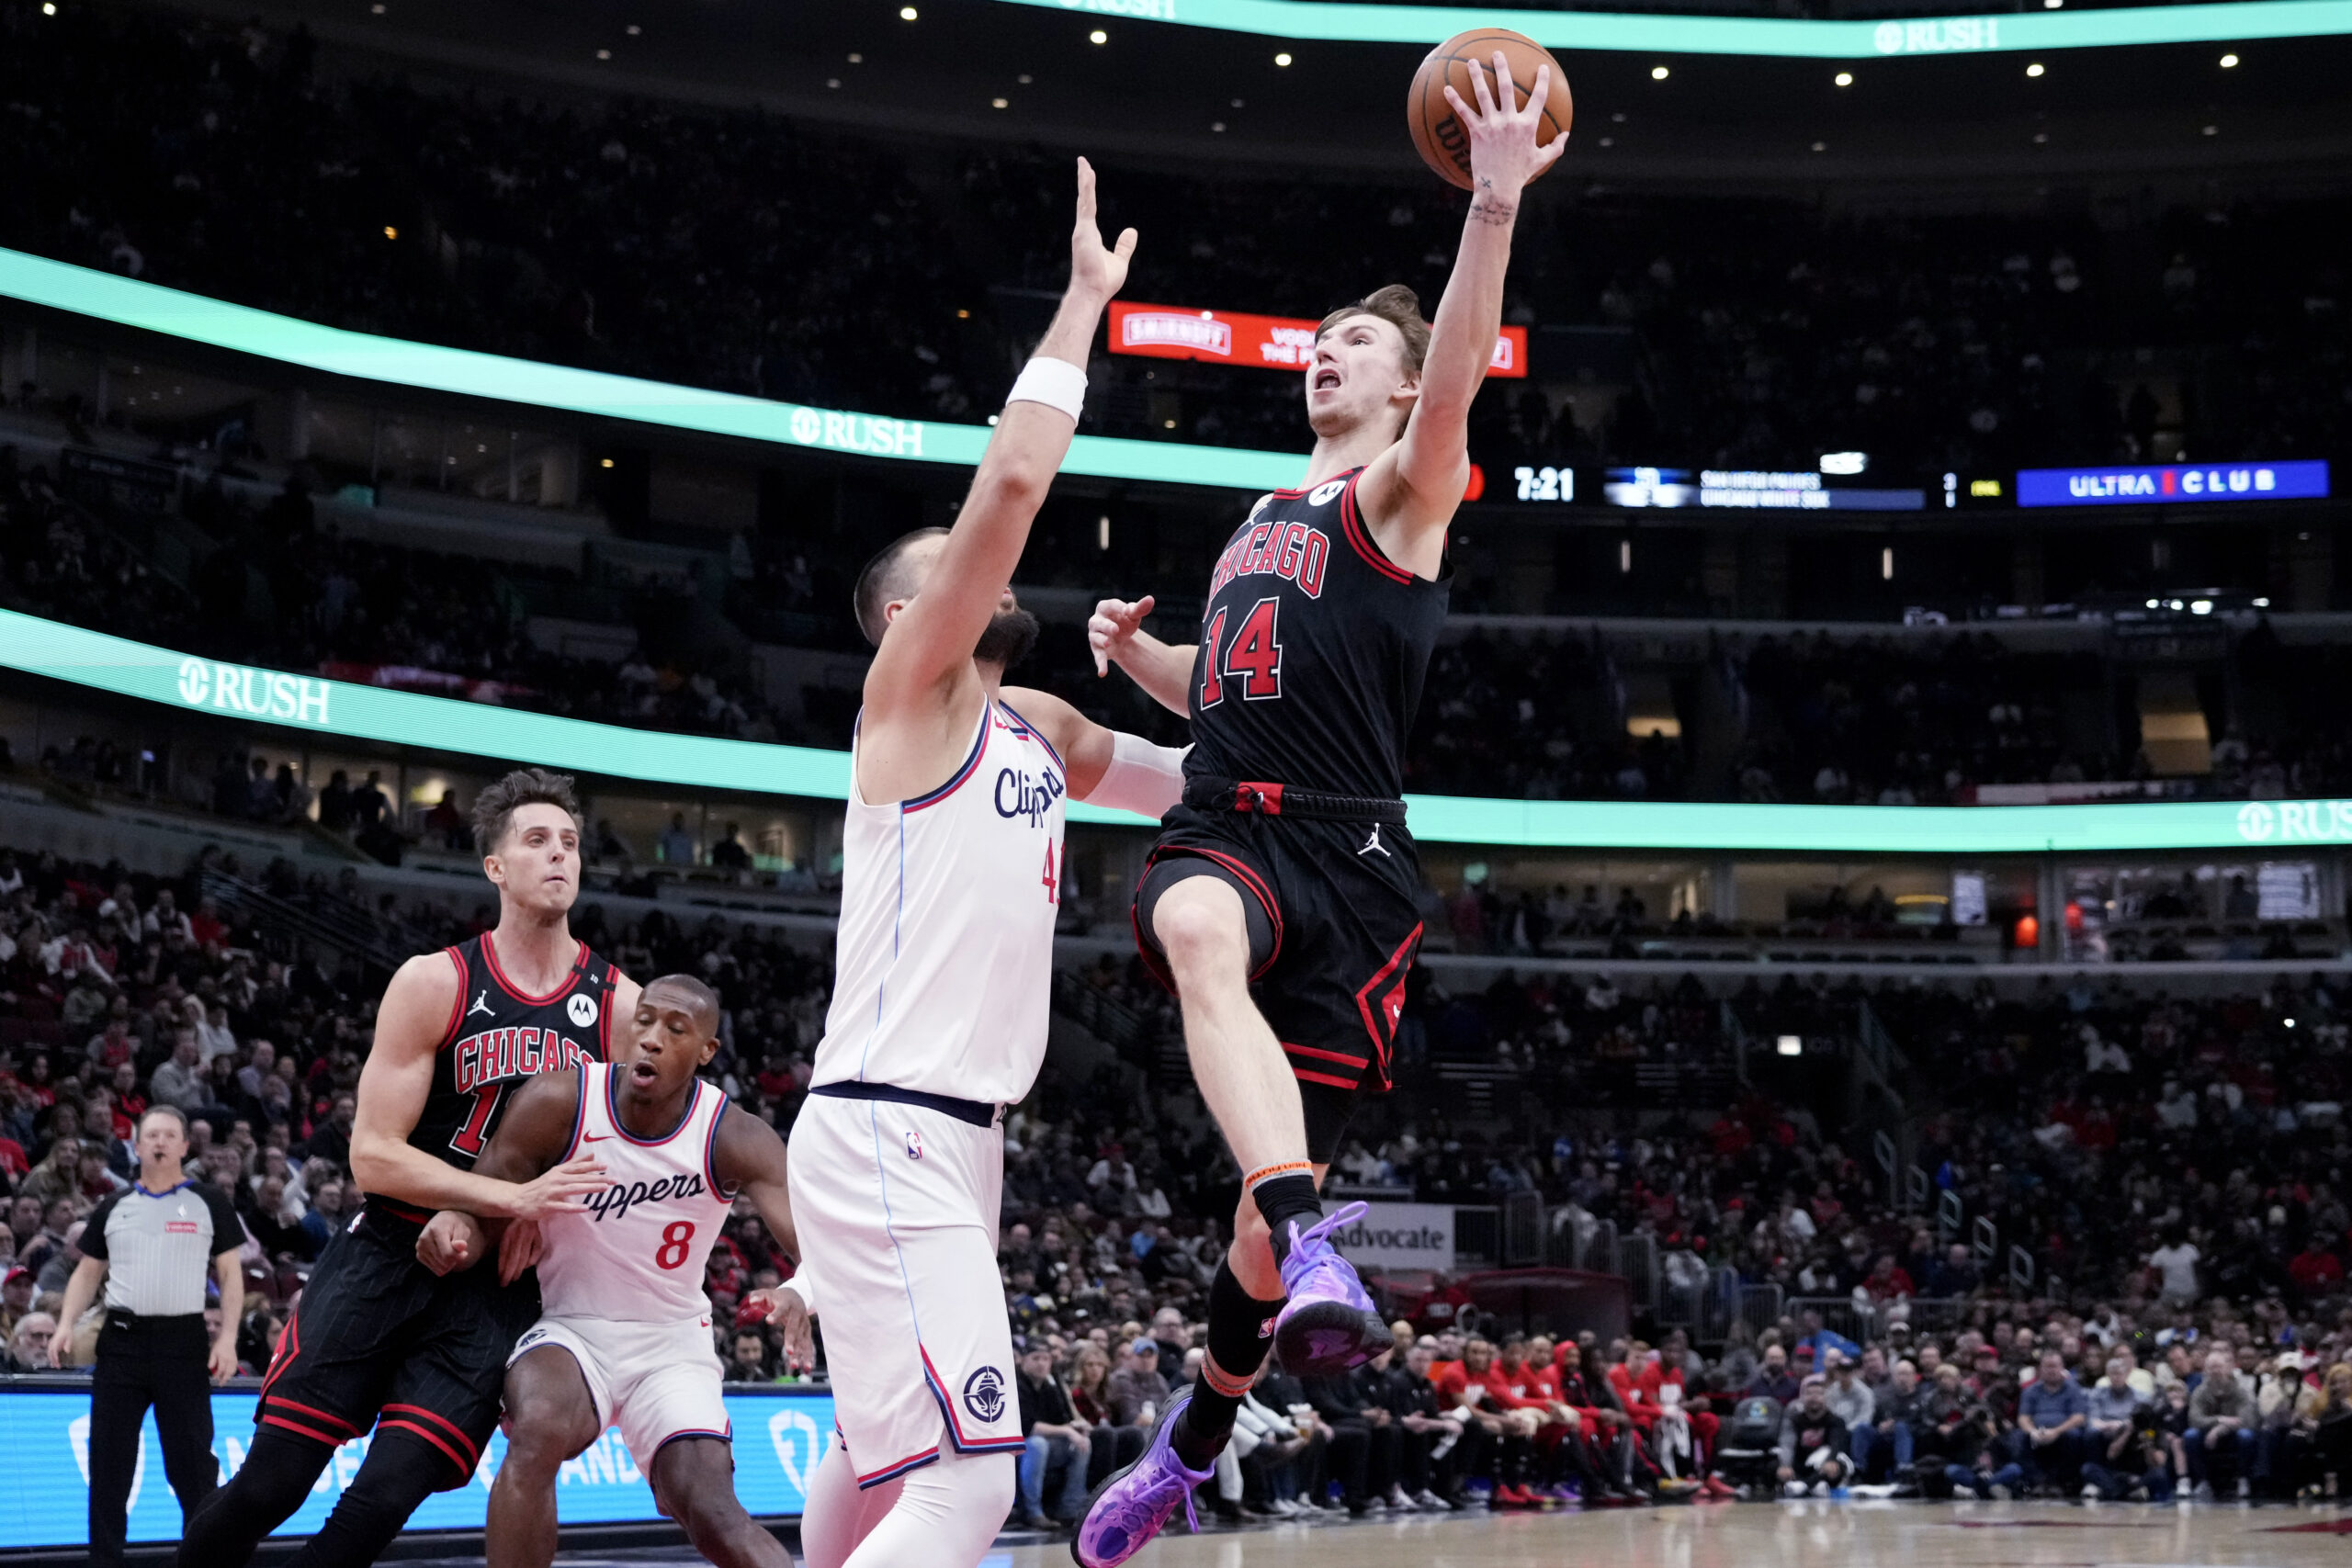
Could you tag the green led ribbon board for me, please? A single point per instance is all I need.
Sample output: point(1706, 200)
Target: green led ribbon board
point(1665, 34)
point(104, 296)
point(340, 708)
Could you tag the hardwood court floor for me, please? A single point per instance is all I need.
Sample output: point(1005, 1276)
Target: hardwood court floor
point(1741, 1534)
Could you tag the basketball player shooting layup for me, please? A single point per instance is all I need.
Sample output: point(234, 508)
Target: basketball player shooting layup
point(383, 1328)
point(1288, 867)
point(951, 879)
point(624, 1338)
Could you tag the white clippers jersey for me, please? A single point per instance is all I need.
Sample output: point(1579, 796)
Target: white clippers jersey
point(634, 1253)
point(944, 963)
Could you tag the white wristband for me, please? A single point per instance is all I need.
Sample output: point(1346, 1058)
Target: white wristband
point(1142, 778)
point(1057, 383)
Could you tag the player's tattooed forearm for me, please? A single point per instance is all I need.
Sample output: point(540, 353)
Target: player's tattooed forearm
point(1488, 207)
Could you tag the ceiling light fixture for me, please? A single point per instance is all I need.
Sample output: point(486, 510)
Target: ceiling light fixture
point(1845, 78)
point(1282, 59)
point(1098, 36)
point(2034, 69)
point(2229, 63)
point(1658, 72)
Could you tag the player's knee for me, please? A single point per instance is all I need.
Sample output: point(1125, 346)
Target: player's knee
point(536, 1449)
point(1202, 928)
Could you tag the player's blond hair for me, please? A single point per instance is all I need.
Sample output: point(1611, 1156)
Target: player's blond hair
point(1401, 309)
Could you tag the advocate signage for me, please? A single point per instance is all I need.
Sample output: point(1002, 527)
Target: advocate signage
point(2301, 480)
point(1232, 337)
point(779, 1437)
point(1399, 1236)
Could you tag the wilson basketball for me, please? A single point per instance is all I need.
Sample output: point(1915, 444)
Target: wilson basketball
point(1438, 133)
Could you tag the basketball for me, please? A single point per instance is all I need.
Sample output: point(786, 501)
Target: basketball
point(1438, 134)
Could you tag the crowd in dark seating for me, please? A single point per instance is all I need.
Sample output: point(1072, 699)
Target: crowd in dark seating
point(277, 589)
point(1874, 721)
point(737, 250)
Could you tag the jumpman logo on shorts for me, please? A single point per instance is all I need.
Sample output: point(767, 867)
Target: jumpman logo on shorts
point(1373, 843)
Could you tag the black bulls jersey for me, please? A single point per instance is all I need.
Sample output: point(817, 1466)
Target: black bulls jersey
point(498, 1036)
point(1313, 650)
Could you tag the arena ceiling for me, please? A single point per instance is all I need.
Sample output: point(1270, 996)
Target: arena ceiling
point(1926, 128)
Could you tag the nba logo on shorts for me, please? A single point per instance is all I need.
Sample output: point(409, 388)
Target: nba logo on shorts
point(914, 1143)
point(984, 1393)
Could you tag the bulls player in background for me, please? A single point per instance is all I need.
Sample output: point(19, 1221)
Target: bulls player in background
point(379, 1338)
point(1288, 868)
point(625, 1339)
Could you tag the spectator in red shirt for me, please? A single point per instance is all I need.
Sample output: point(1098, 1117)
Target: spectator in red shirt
point(1888, 1281)
point(2315, 1269)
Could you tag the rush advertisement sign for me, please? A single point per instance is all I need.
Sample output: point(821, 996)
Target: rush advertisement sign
point(1269, 342)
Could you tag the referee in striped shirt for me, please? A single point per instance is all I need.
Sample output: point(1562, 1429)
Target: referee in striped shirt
point(151, 1245)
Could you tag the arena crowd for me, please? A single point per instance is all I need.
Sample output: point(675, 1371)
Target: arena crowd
point(2137, 1147)
point(755, 253)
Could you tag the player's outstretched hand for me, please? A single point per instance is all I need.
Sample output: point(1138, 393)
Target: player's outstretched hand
point(1113, 626)
point(1504, 152)
point(521, 1247)
point(1097, 269)
point(788, 1312)
point(560, 1189)
point(450, 1242)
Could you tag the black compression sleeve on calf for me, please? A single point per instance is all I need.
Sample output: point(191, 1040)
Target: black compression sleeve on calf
point(1240, 1333)
point(401, 1472)
point(1284, 1198)
point(277, 1474)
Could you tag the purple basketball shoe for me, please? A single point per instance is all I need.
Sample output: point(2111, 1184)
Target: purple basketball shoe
point(1134, 1504)
point(1327, 1324)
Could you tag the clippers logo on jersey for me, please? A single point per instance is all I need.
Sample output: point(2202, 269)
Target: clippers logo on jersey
point(1020, 793)
point(616, 1200)
point(984, 1393)
point(499, 1054)
point(1296, 552)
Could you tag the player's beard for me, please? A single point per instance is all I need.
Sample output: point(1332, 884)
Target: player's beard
point(1009, 639)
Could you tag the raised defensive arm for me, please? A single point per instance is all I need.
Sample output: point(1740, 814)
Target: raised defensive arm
point(929, 645)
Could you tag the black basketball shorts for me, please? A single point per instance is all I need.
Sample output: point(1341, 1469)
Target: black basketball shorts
point(1340, 928)
point(378, 1340)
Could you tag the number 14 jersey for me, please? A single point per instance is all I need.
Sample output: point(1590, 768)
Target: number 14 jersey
point(634, 1252)
point(1314, 645)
